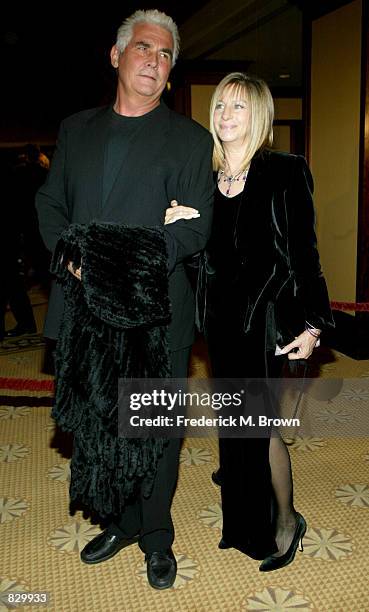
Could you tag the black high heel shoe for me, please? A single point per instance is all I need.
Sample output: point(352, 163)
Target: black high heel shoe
point(273, 563)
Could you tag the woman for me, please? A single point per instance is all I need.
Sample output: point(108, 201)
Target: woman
point(267, 298)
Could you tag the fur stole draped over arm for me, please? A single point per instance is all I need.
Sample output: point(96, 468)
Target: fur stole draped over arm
point(115, 325)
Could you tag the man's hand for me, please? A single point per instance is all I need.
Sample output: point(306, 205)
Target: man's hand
point(177, 212)
point(304, 343)
point(76, 273)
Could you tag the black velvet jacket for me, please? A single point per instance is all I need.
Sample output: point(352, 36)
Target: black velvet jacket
point(278, 261)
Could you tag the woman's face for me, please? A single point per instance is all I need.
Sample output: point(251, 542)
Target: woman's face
point(232, 116)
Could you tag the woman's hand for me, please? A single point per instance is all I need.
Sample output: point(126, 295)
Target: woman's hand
point(304, 343)
point(77, 272)
point(177, 212)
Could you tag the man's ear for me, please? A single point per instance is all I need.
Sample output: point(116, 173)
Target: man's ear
point(114, 56)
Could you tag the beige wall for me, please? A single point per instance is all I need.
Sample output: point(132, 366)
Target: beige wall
point(282, 138)
point(335, 115)
point(200, 103)
point(288, 108)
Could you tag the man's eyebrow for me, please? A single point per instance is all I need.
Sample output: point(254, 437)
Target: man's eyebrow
point(169, 51)
point(142, 42)
point(147, 45)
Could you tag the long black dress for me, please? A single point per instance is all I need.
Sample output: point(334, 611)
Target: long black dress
point(244, 463)
point(268, 282)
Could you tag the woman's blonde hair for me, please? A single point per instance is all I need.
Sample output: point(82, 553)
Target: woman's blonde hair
point(256, 94)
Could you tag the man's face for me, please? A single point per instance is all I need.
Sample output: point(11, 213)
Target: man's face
point(145, 64)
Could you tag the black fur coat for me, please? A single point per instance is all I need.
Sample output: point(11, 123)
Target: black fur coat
point(114, 326)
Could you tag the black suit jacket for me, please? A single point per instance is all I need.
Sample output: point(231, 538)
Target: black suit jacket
point(174, 163)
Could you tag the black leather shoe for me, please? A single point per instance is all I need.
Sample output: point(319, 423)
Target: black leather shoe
point(223, 545)
point(161, 569)
point(217, 478)
point(274, 563)
point(105, 546)
point(20, 330)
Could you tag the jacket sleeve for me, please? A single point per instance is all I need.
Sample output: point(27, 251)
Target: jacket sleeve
point(309, 283)
point(196, 189)
point(51, 201)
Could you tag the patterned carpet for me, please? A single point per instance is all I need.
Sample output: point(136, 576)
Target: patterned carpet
point(21, 344)
point(40, 541)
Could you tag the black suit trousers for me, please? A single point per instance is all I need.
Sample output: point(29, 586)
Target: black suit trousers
point(13, 291)
point(151, 517)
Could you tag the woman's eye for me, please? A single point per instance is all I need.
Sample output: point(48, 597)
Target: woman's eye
point(219, 106)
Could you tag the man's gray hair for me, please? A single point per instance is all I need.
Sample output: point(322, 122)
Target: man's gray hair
point(154, 17)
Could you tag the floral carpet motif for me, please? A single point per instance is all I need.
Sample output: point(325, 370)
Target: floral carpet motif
point(41, 537)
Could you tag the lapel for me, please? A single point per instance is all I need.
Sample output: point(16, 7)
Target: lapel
point(93, 162)
point(256, 177)
point(141, 160)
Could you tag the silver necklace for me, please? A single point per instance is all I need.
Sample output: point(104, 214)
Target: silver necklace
point(232, 178)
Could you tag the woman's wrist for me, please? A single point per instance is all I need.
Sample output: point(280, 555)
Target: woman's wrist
point(313, 331)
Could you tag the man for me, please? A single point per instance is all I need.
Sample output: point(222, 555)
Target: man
point(20, 184)
point(124, 164)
